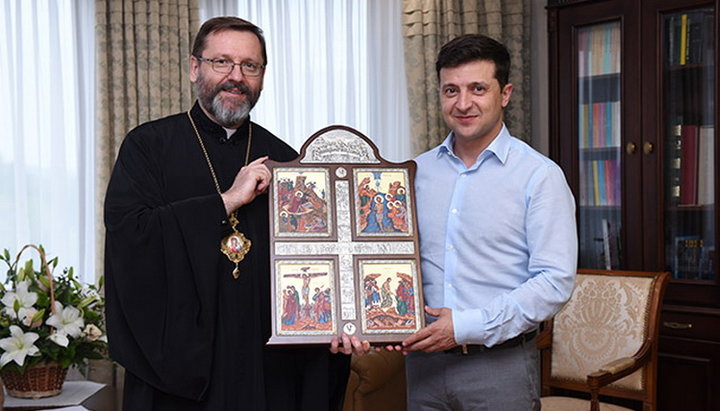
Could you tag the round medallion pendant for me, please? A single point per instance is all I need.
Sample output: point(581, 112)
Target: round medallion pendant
point(235, 246)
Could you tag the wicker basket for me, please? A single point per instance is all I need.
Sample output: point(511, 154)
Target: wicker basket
point(41, 380)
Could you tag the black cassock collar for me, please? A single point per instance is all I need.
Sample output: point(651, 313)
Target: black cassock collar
point(209, 128)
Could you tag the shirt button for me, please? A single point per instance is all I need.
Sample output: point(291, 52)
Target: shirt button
point(450, 247)
point(223, 222)
point(449, 285)
point(463, 175)
point(454, 211)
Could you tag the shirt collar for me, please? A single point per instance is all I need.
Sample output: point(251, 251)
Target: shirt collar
point(500, 146)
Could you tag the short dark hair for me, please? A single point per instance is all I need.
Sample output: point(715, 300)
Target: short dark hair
point(471, 47)
point(218, 24)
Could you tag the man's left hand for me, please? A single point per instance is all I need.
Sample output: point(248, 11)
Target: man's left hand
point(438, 336)
point(349, 345)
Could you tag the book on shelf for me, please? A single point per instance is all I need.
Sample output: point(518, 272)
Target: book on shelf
point(599, 50)
point(674, 155)
point(683, 39)
point(706, 165)
point(611, 251)
point(689, 164)
point(707, 263)
point(595, 183)
point(687, 256)
point(599, 124)
point(690, 37)
point(600, 183)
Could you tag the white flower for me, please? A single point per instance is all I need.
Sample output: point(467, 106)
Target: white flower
point(23, 298)
point(67, 321)
point(59, 338)
point(28, 320)
point(18, 346)
point(92, 332)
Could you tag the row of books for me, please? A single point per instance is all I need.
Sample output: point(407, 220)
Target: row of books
point(599, 49)
point(600, 183)
point(599, 125)
point(693, 258)
point(692, 165)
point(691, 37)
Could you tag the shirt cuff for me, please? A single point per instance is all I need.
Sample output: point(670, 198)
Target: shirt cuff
point(468, 326)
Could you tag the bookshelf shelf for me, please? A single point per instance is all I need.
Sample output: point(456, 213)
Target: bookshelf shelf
point(644, 74)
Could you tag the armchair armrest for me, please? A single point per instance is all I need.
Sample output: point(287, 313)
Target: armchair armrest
point(615, 370)
point(618, 365)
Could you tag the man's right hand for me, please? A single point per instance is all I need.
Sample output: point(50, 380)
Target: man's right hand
point(251, 181)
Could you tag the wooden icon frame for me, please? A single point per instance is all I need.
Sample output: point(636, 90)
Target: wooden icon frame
point(316, 205)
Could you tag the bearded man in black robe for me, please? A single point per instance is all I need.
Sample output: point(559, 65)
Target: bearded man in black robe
point(190, 335)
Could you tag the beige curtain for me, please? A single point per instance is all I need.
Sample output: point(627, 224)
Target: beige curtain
point(428, 24)
point(142, 49)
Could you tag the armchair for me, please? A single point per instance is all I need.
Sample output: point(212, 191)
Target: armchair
point(376, 383)
point(604, 341)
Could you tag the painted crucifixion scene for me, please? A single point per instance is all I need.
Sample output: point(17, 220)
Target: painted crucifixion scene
point(305, 296)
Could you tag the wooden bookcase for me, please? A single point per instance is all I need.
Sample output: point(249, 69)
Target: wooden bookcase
point(633, 108)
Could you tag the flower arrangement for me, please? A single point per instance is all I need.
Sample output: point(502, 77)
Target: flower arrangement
point(48, 318)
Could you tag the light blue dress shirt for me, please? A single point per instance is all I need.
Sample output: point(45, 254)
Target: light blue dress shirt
point(498, 242)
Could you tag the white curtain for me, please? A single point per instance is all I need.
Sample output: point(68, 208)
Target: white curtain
point(330, 62)
point(47, 130)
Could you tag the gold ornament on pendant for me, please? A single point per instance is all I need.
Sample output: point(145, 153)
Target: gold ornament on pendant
point(235, 246)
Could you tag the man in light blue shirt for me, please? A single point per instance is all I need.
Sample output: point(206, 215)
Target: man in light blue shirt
point(498, 244)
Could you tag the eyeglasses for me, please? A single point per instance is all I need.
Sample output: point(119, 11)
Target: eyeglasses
point(225, 66)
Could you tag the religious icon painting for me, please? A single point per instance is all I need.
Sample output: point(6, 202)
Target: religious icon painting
point(302, 206)
point(305, 297)
point(382, 202)
point(391, 302)
point(344, 247)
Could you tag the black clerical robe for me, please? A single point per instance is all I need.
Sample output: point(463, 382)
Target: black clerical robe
point(189, 335)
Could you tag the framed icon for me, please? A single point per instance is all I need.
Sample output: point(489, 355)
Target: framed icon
point(305, 297)
point(327, 245)
point(301, 205)
point(381, 202)
point(391, 297)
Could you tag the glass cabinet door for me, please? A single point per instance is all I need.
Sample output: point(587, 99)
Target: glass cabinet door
point(688, 105)
point(599, 144)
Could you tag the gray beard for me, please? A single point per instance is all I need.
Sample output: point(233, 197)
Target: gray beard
point(212, 102)
point(228, 117)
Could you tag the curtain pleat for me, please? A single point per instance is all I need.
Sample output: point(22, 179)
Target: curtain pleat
point(142, 49)
point(428, 24)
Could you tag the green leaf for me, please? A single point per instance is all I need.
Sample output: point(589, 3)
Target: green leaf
point(29, 267)
point(38, 315)
point(16, 306)
point(87, 301)
point(44, 281)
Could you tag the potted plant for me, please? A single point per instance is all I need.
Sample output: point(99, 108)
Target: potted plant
point(47, 323)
